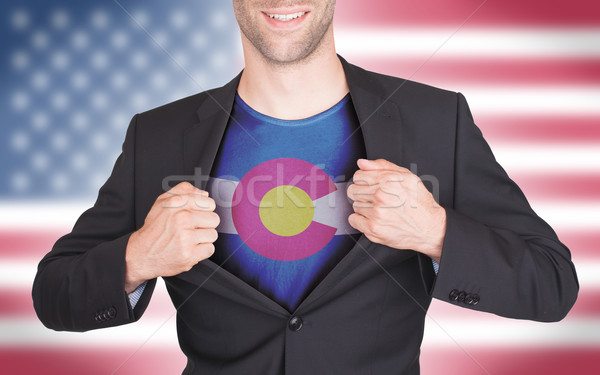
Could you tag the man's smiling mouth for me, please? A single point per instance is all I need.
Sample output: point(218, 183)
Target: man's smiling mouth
point(286, 17)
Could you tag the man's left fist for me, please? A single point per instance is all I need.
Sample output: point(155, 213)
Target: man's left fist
point(392, 207)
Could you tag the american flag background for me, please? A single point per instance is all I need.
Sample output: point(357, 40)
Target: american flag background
point(75, 72)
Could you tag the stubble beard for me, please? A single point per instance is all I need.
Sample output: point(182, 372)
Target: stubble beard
point(301, 51)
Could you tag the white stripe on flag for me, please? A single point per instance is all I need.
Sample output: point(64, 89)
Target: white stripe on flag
point(500, 332)
point(326, 210)
point(53, 216)
point(20, 274)
point(27, 332)
point(329, 212)
point(530, 100)
point(565, 216)
point(559, 159)
point(469, 42)
point(47, 215)
point(161, 332)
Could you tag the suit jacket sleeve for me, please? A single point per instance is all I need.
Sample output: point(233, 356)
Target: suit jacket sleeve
point(80, 283)
point(496, 248)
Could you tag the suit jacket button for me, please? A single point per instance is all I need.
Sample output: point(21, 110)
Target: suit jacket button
point(461, 296)
point(105, 316)
point(469, 299)
point(112, 312)
point(295, 323)
point(453, 295)
point(475, 298)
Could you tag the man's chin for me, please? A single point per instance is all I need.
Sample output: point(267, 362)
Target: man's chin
point(288, 55)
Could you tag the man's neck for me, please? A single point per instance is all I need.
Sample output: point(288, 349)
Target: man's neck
point(293, 91)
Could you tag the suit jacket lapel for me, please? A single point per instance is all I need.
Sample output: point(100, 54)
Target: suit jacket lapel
point(201, 141)
point(381, 127)
point(200, 146)
point(380, 119)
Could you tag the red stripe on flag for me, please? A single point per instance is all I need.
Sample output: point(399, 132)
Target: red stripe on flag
point(582, 244)
point(455, 13)
point(559, 187)
point(511, 361)
point(27, 243)
point(16, 303)
point(434, 361)
point(444, 72)
point(93, 361)
point(540, 129)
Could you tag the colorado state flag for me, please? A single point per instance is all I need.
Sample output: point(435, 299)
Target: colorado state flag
point(280, 190)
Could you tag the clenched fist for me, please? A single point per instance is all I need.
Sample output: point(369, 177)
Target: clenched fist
point(392, 207)
point(178, 232)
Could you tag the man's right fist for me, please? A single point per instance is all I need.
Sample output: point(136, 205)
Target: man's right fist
point(178, 232)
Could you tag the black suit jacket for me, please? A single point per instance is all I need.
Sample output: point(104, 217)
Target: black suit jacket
point(367, 315)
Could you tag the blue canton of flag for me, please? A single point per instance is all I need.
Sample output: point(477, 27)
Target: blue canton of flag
point(74, 73)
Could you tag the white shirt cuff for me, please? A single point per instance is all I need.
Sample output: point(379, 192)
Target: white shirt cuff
point(134, 296)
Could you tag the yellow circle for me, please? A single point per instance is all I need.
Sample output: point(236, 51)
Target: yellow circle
point(286, 210)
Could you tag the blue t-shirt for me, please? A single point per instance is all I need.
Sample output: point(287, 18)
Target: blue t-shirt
point(280, 190)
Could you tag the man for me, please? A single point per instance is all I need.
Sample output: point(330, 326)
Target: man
point(276, 263)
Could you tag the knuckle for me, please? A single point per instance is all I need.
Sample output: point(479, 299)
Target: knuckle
point(352, 220)
point(185, 238)
point(205, 236)
point(374, 229)
point(211, 203)
point(185, 267)
point(411, 178)
point(208, 219)
point(213, 234)
point(208, 249)
point(184, 254)
point(174, 201)
point(377, 213)
point(194, 256)
point(178, 189)
point(400, 169)
point(181, 217)
point(205, 203)
point(380, 196)
point(358, 205)
point(189, 264)
point(184, 186)
point(216, 219)
point(371, 237)
point(391, 177)
point(351, 198)
point(350, 190)
point(369, 226)
point(358, 176)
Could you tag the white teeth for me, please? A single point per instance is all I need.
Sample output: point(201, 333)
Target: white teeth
point(286, 17)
